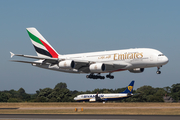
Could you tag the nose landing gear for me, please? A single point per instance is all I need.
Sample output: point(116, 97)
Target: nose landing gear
point(158, 72)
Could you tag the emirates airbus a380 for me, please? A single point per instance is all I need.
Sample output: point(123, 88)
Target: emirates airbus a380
point(93, 63)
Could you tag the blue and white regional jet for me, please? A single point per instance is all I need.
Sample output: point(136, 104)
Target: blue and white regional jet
point(103, 97)
point(93, 63)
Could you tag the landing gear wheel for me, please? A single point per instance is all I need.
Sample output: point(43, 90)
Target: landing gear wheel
point(92, 76)
point(158, 72)
point(95, 77)
point(110, 76)
point(102, 77)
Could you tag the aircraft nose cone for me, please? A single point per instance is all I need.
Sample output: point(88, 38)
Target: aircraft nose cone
point(75, 98)
point(165, 60)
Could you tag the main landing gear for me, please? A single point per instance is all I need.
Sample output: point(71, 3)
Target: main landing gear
point(92, 76)
point(98, 76)
point(158, 72)
point(110, 76)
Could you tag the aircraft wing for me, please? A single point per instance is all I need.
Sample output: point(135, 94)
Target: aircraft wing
point(33, 62)
point(113, 66)
point(96, 100)
point(34, 57)
point(83, 65)
point(46, 59)
point(80, 65)
point(116, 65)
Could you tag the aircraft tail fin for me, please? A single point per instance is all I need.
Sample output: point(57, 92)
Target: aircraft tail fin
point(42, 47)
point(129, 89)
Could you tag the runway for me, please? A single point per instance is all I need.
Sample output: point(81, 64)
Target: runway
point(110, 111)
point(88, 117)
point(55, 108)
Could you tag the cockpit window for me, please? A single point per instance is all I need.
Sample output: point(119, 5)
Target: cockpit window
point(160, 55)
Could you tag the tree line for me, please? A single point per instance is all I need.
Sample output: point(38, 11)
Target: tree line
point(60, 93)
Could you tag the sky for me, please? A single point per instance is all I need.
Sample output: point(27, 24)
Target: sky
point(88, 26)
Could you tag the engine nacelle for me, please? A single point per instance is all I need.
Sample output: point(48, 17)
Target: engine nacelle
point(67, 64)
point(97, 67)
point(92, 100)
point(137, 70)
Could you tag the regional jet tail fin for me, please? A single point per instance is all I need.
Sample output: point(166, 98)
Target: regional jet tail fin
point(42, 47)
point(129, 89)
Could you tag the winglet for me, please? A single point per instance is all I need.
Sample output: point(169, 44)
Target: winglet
point(12, 54)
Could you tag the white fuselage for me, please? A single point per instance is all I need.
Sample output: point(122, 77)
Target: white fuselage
point(131, 58)
point(105, 97)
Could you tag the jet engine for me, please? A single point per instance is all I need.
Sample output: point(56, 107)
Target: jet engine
point(92, 100)
point(137, 70)
point(67, 64)
point(96, 99)
point(97, 67)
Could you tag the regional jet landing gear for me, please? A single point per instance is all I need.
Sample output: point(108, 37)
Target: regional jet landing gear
point(92, 76)
point(158, 72)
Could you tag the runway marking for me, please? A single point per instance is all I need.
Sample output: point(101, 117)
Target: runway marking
point(58, 119)
point(39, 108)
point(8, 108)
point(86, 117)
